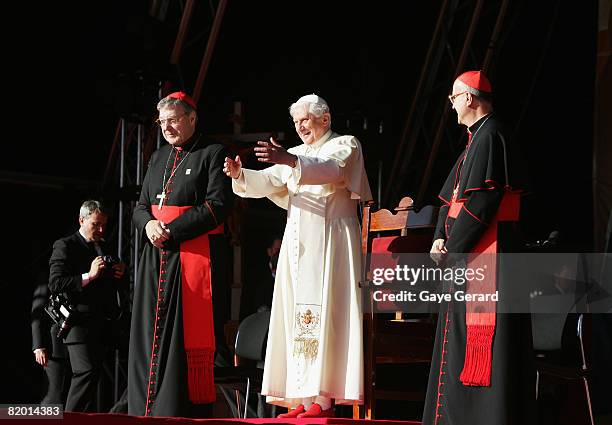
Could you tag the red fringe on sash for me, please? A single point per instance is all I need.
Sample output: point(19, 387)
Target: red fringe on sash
point(200, 365)
point(198, 328)
point(481, 316)
point(478, 359)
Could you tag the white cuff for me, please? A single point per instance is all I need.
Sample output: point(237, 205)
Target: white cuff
point(297, 170)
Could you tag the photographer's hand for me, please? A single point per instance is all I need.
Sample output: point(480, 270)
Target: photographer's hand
point(119, 270)
point(97, 265)
point(40, 354)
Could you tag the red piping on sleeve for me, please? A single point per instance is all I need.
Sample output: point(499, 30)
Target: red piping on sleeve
point(473, 215)
point(211, 212)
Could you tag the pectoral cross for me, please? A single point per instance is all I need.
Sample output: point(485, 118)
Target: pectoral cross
point(162, 198)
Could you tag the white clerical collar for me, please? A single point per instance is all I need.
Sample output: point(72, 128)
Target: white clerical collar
point(322, 140)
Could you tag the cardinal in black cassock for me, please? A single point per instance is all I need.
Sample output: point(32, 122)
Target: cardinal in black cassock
point(184, 201)
point(482, 368)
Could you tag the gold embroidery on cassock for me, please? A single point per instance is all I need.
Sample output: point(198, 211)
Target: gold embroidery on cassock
point(307, 331)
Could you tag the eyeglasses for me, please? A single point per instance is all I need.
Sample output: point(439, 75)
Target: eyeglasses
point(452, 97)
point(170, 120)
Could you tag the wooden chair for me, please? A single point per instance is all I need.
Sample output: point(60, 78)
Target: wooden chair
point(394, 339)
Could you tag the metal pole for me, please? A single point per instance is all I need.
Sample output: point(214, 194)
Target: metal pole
point(182, 32)
point(212, 39)
point(121, 183)
point(494, 36)
point(116, 389)
point(120, 236)
point(400, 159)
point(238, 249)
point(379, 188)
point(139, 154)
point(157, 128)
point(442, 124)
point(139, 161)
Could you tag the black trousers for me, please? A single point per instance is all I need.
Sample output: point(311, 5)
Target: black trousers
point(86, 362)
point(58, 377)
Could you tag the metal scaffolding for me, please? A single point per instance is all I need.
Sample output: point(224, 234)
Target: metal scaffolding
point(137, 136)
point(452, 49)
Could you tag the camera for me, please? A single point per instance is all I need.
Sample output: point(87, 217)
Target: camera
point(109, 260)
point(61, 312)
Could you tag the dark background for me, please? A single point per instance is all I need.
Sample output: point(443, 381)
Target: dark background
point(72, 68)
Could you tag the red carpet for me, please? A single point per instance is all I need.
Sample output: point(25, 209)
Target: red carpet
point(116, 419)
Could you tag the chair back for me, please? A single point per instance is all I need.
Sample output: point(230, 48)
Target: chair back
point(252, 336)
point(548, 328)
point(387, 341)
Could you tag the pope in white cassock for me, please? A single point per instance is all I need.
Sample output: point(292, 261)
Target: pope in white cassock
point(314, 354)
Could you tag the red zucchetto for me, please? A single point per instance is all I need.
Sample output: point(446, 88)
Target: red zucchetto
point(184, 97)
point(476, 80)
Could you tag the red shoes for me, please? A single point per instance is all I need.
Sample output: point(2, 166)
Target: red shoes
point(293, 413)
point(315, 411)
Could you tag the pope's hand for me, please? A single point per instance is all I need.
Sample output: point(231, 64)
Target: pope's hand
point(274, 153)
point(232, 167)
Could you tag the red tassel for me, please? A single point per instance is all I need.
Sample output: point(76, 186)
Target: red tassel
point(478, 359)
point(200, 376)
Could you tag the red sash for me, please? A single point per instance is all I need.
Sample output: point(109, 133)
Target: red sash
point(199, 334)
point(481, 315)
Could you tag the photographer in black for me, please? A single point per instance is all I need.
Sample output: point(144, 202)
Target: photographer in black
point(88, 280)
point(49, 350)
